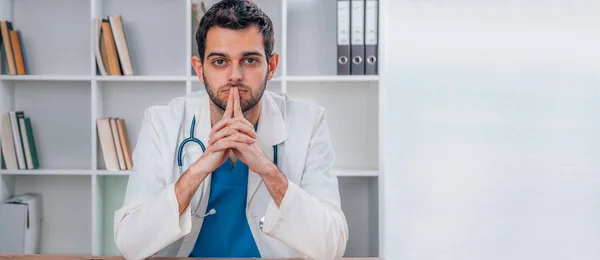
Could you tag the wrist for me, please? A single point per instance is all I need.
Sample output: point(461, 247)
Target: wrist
point(271, 170)
point(197, 171)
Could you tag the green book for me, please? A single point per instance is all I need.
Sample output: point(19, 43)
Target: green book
point(34, 158)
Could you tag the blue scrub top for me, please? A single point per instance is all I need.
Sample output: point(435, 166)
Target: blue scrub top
point(226, 233)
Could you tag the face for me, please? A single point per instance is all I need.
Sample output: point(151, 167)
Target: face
point(235, 58)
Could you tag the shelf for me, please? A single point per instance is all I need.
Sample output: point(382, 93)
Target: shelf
point(338, 172)
point(334, 78)
point(46, 172)
point(45, 77)
point(142, 78)
point(112, 173)
point(89, 78)
point(356, 173)
point(195, 79)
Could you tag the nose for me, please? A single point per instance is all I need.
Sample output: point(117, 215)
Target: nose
point(236, 74)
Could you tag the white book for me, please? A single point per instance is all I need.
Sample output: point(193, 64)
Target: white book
point(8, 147)
point(107, 144)
point(116, 24)
point(17, 140)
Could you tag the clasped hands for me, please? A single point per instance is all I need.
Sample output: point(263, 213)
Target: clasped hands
point(233, 134)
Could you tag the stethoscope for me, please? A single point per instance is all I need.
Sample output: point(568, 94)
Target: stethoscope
point(193, 139)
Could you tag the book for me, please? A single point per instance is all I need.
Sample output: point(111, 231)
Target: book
point(107, 144)
point(100, 48)
point(18, 55)
point(8, 144)
point(117, 141)
point(23, 53)
point(29, 143)
point(116, 24)
point(5, 28)
point(16, 134)
point(114, 67)
point(122, 129)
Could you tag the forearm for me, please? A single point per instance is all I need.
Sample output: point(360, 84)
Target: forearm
point(276, 183)
point(186, 186)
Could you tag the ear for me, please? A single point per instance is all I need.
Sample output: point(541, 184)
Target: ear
point(273, 62)
point(197, 65)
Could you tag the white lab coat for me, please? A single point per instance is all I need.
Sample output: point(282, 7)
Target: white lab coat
point(309, 222)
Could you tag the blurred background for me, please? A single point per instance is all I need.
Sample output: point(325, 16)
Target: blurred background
point(491, 117)
point(473, 134)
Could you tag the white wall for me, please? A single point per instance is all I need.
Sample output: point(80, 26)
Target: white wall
point(492, 128)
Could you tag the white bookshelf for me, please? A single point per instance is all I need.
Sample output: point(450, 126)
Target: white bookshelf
point(64, 96)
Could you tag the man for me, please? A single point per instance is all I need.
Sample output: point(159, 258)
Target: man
point(262, 187)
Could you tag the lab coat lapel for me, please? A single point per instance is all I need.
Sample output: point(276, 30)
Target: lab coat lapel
point(271, 131)
point(202, 112)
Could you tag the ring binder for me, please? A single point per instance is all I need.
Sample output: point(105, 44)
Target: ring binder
point(357, 37)
point(343, 37)
point(371, 34)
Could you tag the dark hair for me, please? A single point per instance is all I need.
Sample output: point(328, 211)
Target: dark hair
point(235, 14)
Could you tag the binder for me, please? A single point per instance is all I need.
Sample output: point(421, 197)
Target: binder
point(357, 36)
point(371, 34)
point(343, 37)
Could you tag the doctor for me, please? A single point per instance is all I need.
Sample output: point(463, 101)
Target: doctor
point(236, 171)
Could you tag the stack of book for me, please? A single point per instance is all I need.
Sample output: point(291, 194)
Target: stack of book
point(111, 48)
point(12, 52)
point(112, 134)
point(17, 142)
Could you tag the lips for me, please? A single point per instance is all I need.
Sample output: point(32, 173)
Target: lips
point(239, 89)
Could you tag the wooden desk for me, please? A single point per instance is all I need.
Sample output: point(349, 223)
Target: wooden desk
point(85, 257)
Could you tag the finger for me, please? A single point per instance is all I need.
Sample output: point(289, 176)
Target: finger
point(245, 128)
point(240, 138)
point(246, 122)
point(220, 135)
point(235, 128)
point(237, 108)
point(220, 125)
point(229, 109)
point(235, 123)
point(237, 141)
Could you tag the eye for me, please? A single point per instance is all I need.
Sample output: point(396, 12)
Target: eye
point(219, 62)
point(251, 61)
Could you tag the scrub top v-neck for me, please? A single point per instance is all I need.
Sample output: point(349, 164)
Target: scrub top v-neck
point(226, 233)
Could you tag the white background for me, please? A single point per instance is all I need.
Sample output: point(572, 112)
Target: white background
point(491, 122)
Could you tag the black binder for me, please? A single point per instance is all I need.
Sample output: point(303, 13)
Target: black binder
point(371, 35)
point(357, 36)
point(343, 37)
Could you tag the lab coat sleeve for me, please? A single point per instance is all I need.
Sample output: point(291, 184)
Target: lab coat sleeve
point(310, 218)
point(149, 219)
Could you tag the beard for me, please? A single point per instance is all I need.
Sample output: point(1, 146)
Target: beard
point(245, 105)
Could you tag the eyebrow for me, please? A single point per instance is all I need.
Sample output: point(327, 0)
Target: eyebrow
point(244, 54)
point(252, 53)
point(220, 54)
